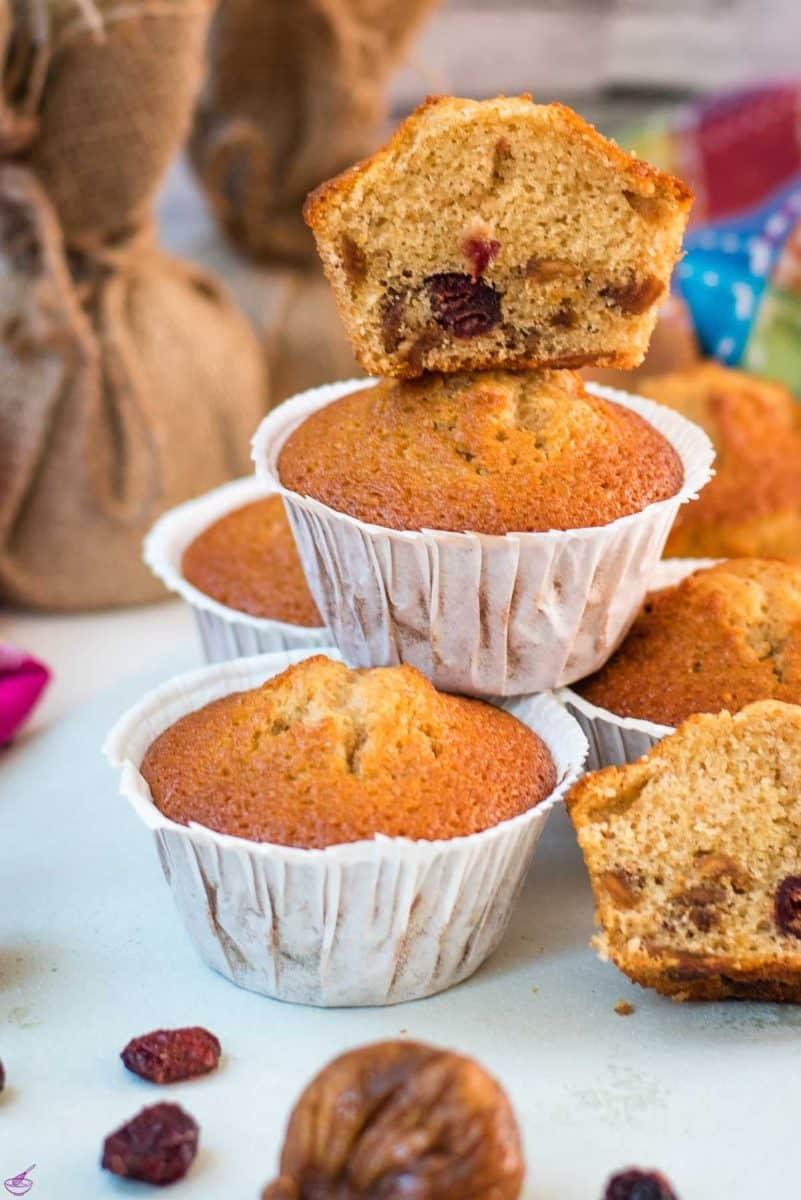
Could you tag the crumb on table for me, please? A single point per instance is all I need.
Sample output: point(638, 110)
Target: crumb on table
point(623, 1008)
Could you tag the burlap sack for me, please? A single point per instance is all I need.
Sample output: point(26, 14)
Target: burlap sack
point(128, 381)
point(294, 93)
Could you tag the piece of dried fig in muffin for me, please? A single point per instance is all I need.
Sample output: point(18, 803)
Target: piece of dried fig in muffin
point(401, 1119)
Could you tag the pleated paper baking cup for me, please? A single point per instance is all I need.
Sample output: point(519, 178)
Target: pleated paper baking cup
point(224, 632)
point(615, 740)
point(480, 614)
point(371, 922)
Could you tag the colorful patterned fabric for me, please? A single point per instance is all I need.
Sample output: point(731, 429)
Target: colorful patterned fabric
point(741, 274)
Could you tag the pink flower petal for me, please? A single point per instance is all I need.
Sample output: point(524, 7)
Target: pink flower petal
point(22, 681)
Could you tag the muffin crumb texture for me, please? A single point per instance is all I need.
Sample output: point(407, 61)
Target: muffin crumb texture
point(752, 505)
point(694, 853)
point(722, 638)
point(248, 561)
point(498, 233)
point(323, 754)
point(489, 452)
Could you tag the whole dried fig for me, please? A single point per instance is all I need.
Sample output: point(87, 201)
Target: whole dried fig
point(401, 1121)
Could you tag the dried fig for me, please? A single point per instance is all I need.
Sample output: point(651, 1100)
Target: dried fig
point(401, 1121)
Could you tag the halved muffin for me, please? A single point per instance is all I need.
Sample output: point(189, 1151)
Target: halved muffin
point(694, 853)
point(498, 233)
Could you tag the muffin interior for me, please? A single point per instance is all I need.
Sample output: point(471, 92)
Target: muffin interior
point(498, 233)
point(695, 855)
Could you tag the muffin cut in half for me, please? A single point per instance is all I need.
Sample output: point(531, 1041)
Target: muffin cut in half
point(722, 638)
point(498, 233)
point(248, 560)
point(694, 854)
point(486, 452)
point(752, 507)
point(322, 754)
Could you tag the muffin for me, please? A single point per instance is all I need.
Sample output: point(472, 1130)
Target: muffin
point(322, 754)
point(236, 557)
point(495, 530)
point(752, 508)
point(492, 452)
point(722, 638)
point(377, 920)
point(694, 853)
point(498, 233)
point(248, 560)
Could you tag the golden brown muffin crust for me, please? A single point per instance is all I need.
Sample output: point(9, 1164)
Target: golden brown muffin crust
point(752, 506)
point(248, 561)
point(323, 754)
point(722, 638)
point(694, 854)
point(493, 452)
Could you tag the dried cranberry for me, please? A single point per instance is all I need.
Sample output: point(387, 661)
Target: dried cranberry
point(787, 905)
point(464, 307)
point(170, 1055)
point(639, 1185)
point(480, 252)
point(157, 1146)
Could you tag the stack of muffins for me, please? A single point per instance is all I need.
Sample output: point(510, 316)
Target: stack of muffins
point(478, 512)
point(476, 521)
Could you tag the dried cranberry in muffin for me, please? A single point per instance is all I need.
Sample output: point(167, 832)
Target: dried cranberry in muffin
point(787, 905)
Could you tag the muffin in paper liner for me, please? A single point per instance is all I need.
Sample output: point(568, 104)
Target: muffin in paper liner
point(484, 615)
point(377, 921)
point(224, 632)
point(613, 740)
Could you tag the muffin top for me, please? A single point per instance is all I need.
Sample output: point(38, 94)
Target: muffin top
point(752, 506)
point(248, 561)
point(721, 639)
point(322, 754)
point(492, 452)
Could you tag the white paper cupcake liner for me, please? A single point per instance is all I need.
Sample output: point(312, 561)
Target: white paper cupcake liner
point(615, 740)
point(371, 922)
point(224, 632)
point(478, 614)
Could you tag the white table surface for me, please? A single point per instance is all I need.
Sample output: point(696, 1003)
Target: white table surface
point(89, 652)
point(92, 953)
